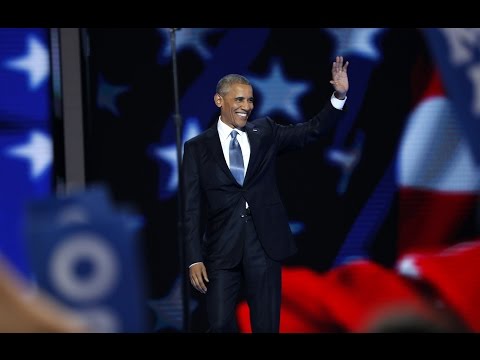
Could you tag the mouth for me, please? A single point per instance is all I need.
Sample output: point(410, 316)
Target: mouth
point(242, 115)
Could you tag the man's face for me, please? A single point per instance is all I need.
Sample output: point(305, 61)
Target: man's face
point(236, 105)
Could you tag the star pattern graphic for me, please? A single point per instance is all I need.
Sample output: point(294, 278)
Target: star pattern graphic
point(193, 38)
point(35, 63)
point(297, 227)
point(108, 94)
point(168, 153)
point(281, 91)
point(38, 151)
point(351, 41)
point(169, 310)
point(347, 160)
point(278, 93)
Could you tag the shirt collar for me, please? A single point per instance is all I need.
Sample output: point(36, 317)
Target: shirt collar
point(224, 130)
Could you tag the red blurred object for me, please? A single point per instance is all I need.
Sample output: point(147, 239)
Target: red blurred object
point(345, 299)
point(362, 291)
point(454, 274)
point(302, 308)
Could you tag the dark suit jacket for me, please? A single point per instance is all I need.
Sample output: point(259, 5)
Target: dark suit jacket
point(214, 201)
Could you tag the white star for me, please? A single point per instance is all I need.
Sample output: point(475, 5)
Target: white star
point(347, 160)
point(168, 153)
point(107, 95)
point(193, 38)
point(169, 310)
point(38, 150)
point(356, 41)
point(35, 63)
point(278, 93)
point(407, 266)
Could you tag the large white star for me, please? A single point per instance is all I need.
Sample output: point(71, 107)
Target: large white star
point(35, 63)
point(107, 95)
point(169, 310)
point(168, 153)
point(278, 93)
point(352, 41)
point(193, 38)
point(38, 150)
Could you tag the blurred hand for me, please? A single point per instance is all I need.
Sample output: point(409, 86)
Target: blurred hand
point(198, 274)
point(340, 77)
point(24, 309)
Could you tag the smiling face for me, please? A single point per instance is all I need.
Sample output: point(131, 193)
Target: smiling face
point(235, 104)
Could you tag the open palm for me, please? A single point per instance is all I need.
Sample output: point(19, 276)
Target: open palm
point(340, 76)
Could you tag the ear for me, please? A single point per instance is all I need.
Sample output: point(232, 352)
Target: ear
point(218, 100)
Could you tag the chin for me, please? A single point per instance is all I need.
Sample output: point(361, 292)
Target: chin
point(242, 122)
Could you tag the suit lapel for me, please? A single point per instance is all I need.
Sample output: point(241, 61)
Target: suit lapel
point(213, 143)
point(254, 140)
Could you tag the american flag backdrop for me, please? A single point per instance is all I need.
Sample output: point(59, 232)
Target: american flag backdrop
point(341, 194)
point(75, 249)
point(26, 136)
point(356, 201)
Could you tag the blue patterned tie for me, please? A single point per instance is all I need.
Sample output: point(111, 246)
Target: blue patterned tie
point(236, 158)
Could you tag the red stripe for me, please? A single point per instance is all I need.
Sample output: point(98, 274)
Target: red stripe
point(431, 220)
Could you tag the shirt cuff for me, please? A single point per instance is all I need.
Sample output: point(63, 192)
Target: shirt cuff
point(194, 264)
point(337, 103)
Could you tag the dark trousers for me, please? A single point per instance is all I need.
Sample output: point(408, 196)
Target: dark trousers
point(262, 278)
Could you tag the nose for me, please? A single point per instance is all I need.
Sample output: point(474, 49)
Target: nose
point(247, 105)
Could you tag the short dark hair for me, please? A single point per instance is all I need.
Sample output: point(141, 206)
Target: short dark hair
point(225, 82)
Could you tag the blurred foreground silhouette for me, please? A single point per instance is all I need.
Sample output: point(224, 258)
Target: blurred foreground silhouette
point(25, 309)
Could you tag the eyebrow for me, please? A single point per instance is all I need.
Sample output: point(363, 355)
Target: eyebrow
point(241, 98)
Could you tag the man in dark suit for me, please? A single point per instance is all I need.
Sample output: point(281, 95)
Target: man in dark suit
point(236, 227)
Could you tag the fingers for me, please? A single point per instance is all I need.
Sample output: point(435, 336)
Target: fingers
point(204, 273)
point(198, 284)
point(197, 274)
point(338, 65)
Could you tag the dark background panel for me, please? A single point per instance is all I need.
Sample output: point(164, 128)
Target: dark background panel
point(121, 143)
